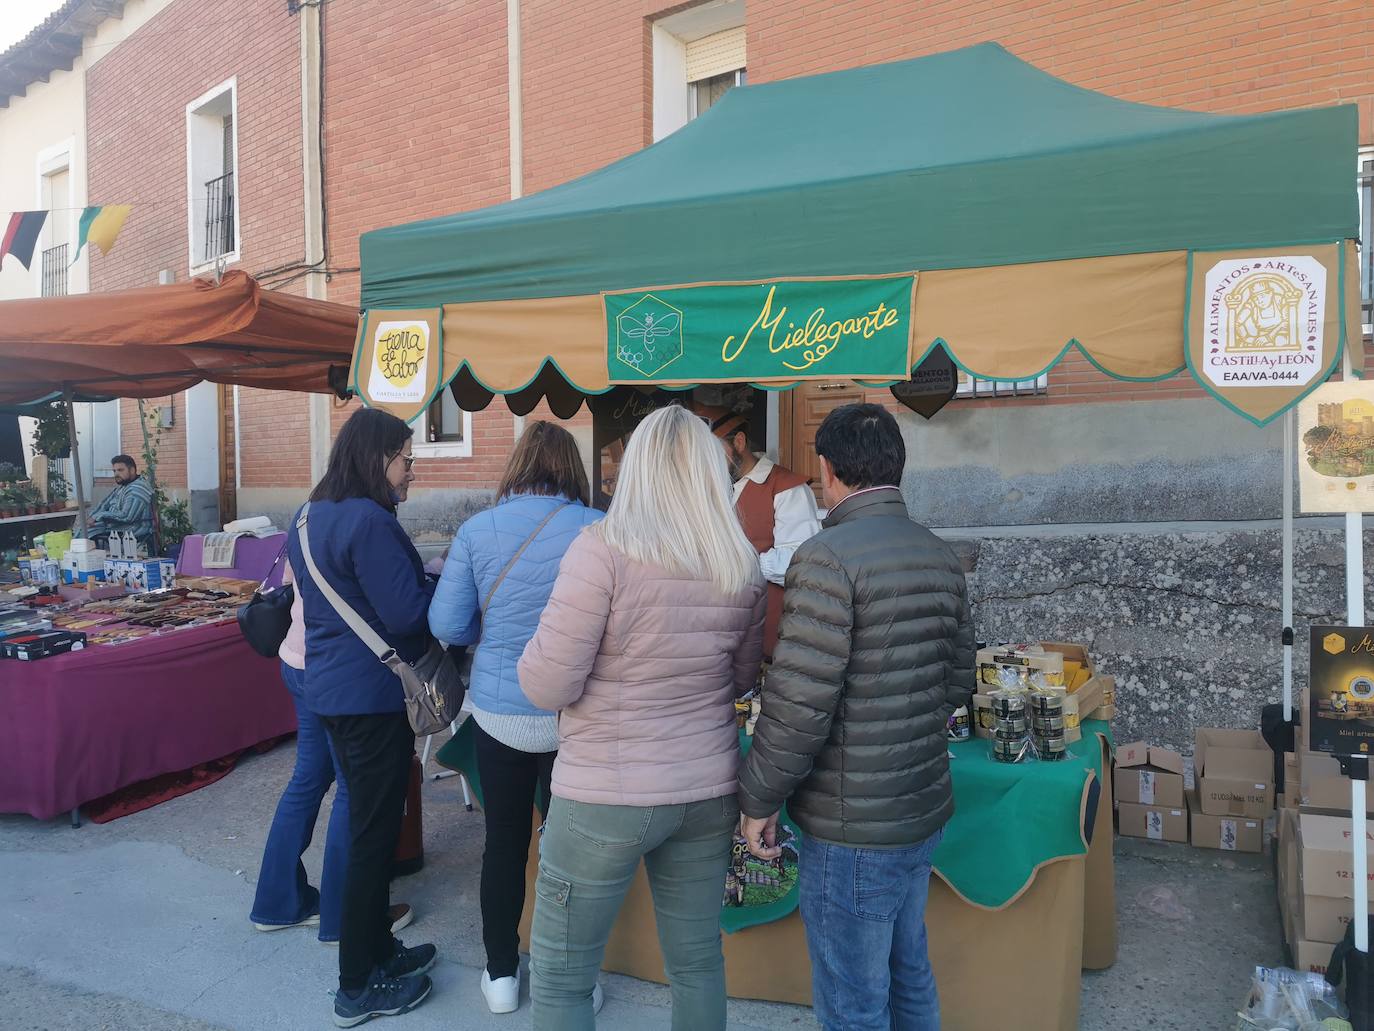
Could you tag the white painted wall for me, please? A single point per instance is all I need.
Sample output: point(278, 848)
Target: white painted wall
point(202, 437)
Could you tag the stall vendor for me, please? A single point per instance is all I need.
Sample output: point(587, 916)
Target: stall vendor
point(775, 505)
point(129, 507)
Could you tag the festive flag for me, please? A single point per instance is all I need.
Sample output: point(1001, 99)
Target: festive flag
point(22, 235)
point(100, 225)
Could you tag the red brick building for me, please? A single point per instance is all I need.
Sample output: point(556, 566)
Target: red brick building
point(435, 106)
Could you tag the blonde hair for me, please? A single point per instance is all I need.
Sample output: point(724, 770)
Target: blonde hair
point(673, 506)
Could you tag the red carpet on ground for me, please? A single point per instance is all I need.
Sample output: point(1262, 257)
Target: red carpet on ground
point(147, 793)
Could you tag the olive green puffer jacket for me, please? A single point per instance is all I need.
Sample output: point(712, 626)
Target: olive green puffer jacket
point(875, 651)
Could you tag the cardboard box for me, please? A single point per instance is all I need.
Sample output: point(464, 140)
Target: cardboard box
point(1235, 773)
point(1313, 956)
point(55, 642)
point(980, 712)
point(991, 662)
point(1325, 919)
point(1227, 833)
point(1158, 823)
point(1326, 855)
point(1292, 782)
point(1149, 776)
point(1321, 785)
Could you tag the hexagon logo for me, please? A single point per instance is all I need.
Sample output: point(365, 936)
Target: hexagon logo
point(1333, 643)
point(648, 335)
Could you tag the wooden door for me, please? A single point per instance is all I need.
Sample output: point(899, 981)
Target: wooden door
point(801, 411)
point(228, 457)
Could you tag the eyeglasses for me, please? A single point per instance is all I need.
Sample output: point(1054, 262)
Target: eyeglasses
point(409, 460)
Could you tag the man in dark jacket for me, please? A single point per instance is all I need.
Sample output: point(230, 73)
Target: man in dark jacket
point(874, 653)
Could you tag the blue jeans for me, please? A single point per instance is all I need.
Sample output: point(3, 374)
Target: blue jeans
point(284, 893)
point(864, 911)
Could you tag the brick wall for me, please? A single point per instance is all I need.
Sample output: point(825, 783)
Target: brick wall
point(417, 123)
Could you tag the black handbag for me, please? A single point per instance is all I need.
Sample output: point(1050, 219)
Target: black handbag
point(265, 620)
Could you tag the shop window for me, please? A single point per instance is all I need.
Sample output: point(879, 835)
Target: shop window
point(211, 178)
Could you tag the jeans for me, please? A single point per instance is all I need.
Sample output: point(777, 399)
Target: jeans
point(589, 857)
point(509, 780)
point(864, 911)
point(284, 894)
point(374, 752)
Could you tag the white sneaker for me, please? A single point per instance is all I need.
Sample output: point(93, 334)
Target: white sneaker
point(503, 994)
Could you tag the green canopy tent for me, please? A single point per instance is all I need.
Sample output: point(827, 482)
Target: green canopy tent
point(1004, 214)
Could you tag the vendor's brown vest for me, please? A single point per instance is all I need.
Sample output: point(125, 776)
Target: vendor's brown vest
point(755, 510)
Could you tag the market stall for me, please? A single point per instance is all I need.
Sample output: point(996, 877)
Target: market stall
point(854, 226)
point(162, 680)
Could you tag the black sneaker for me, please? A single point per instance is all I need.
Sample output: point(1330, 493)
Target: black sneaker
point(410, 962)
point(383, 997)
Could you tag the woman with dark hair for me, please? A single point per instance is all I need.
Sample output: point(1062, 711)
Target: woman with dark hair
point(498, 576)
point(357, 546)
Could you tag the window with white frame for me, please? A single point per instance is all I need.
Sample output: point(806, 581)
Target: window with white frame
point(447, 430)
point(699, 56)
point(1365, 183)
point(212, 196)
point(54, 242)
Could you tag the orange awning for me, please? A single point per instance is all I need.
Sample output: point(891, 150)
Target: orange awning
point(158, 340)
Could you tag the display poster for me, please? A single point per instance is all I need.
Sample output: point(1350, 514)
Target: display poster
point(775, 331)
point(1341, 690)
point(400, 360)
point(932, 385)
point(1263, 326)
point(1336, 448)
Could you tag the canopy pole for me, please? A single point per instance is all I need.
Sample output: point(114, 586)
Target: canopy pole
point(76, 462)
point(1289, 432)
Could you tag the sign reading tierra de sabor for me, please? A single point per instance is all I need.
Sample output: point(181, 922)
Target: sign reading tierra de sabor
point(779, 330)
point(400, 359)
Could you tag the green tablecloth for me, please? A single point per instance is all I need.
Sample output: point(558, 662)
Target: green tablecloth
point(1009, 819)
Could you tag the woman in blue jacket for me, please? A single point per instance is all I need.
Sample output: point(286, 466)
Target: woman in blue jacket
point(358, 547)
point(498, 577)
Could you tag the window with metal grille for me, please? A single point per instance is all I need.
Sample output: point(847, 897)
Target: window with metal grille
point(219, 216)
point(55, 271)
point(211, 180)
point(970, 387)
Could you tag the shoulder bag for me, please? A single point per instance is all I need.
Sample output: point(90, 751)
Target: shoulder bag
point(432, 685)
point(266, 619)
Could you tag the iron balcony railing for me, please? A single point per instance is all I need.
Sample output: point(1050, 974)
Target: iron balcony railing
point(219, 216)
point(55, 271)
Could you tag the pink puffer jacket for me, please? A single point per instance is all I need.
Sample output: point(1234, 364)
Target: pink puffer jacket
point(644, 668)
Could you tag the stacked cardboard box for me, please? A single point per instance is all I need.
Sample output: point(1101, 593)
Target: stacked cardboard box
point(1061, 666)
point(1148, 784)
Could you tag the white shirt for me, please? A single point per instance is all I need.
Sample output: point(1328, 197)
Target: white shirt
point(795, 520)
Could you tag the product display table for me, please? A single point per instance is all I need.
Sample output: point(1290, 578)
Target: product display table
point(1023, 887)
point(253, 557)
point(81, 725)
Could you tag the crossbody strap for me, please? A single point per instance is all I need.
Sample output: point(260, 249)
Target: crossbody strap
point(518, 552)
point(355, 622)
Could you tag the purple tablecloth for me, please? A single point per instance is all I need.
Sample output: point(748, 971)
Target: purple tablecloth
point(253, 557)
point(78, 726)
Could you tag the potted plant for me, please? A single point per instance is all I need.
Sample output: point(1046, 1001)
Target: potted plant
point(59, 490)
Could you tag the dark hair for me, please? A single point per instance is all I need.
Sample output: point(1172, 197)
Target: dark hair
point(124, 460)
point(863, 446)
point(357, 463)
point(546, 461)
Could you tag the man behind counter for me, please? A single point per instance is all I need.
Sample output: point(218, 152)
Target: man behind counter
point(776, 507)
point(127, 508)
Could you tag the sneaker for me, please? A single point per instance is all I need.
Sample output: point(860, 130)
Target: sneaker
point(383, 997)
point(410, 962)
point(310, 921)
point(503, 994)
point(400, 915)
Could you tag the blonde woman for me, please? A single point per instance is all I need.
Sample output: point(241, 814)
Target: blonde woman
point(655, 625)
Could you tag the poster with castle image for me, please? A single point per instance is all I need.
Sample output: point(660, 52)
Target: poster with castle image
point(1336, 448)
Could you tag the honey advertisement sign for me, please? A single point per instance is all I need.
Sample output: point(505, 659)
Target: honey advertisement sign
point(1341, 695)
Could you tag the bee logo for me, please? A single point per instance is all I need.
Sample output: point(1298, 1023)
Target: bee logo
point(649, 335)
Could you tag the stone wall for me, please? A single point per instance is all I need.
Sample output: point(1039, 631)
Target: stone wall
point(1187, 622)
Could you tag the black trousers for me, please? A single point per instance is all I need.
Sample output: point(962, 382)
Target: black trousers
point(509, 779)
point(374, 752)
